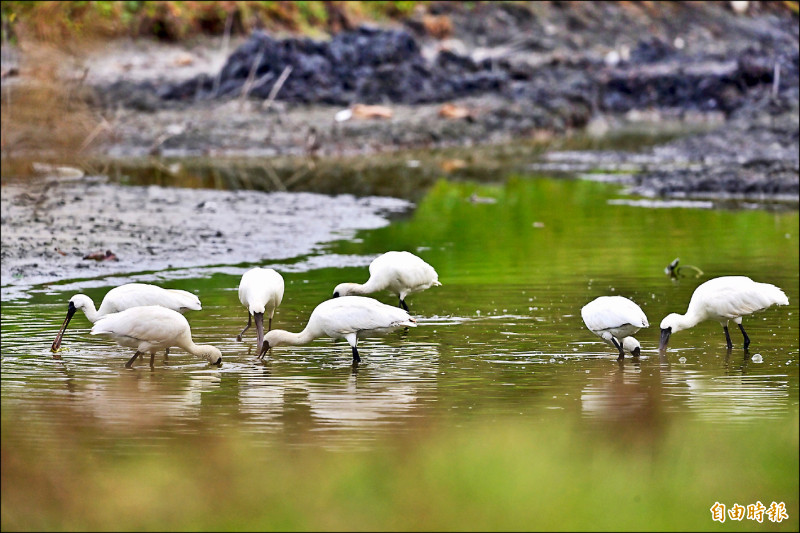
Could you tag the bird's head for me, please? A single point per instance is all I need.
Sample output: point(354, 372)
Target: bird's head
point(671, 324)
point(343, 289)
point(273, 338)
point(80, 301)
point(631, 345)
point(212, 354)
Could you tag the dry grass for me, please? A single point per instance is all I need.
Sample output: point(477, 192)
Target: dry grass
point(45, 115)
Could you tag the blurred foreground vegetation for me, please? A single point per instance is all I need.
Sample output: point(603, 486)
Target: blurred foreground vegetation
point(503, 475)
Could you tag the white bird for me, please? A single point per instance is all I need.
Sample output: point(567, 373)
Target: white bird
point(614, 319)
point(151, 328)
point(723, 299)
point(261, 292)
point(348, 317)
point(402, 273)
point(127, 296)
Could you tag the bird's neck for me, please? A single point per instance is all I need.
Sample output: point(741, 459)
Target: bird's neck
point(689, 320)
point(199, 350)
point(360, 289)
point(357, 289)
point(279, 337)
point(90, 311)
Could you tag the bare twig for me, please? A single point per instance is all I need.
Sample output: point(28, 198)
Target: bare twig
point(262, 80)
point(251, 76)
point(274, 177)
point(225, 40)
point(277, 87)
point(103, 126)
point(776, 79)
point(299, 174)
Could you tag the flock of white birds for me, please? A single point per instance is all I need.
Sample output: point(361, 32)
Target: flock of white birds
point(149, 318)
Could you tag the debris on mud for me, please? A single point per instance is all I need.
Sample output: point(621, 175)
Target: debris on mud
point(165, 227)
point(108, 255)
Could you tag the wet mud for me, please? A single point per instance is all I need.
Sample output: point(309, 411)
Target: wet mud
point(50, 225)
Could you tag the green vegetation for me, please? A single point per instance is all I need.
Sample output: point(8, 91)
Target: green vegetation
point(504, 475)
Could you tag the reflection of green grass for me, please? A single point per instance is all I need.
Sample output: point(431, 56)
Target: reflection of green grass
point(509, 474)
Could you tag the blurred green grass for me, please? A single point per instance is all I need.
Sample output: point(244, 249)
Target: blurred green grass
point(505, 475)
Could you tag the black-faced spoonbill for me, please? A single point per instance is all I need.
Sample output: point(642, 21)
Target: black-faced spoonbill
point(402, 273)
point(152, 328)
point(347, 317)
point(723, 299)
point(614, 319)
point(261, 292)
point(127, 296)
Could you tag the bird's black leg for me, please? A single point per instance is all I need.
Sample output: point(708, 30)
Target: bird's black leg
point(269, 325)
point(249, 320)
point(619, 347)
point(403, 305)
point(166, 355)
point(152, 359)
point(746, 338)
point(356, 358)
point(129, 364)
point(727, 337)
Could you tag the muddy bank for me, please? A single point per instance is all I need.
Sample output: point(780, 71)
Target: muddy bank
point(533, 70)
point(558, 60)
point(49, 225)
point(753, 157)
point(529, 70)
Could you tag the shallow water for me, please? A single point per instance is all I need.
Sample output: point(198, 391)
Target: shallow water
point(502, 337)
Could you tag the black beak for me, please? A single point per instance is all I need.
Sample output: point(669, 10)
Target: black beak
point(636, 352)
point(335, 294)
point(219, 363)
point(264, 350)
point(57, 343)
point(665, 333)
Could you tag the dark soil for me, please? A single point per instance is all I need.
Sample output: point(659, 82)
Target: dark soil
point(523, 70)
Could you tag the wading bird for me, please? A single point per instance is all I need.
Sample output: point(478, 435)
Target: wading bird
point(348, 317)
point(402, 273)
point(723, 299)
point(261, 292)
point(614, 319)
point(152, 328)
point(127, 296)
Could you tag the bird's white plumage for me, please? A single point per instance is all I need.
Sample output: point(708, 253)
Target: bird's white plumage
point(401, 273)
point(614, 317)
point(356, 314)
point(125, 297)
point(723, 299)
point(348, 317)
point(261, 290)
point(152, 328)
point(138, 294)
point(731, 297)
